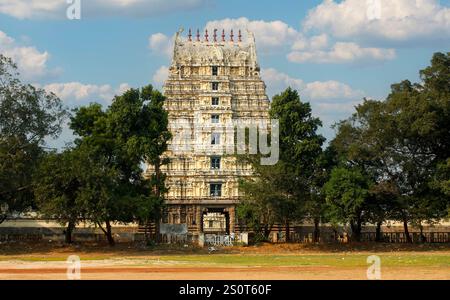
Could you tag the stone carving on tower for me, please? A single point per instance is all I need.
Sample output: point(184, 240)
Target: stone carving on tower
point(211, 82)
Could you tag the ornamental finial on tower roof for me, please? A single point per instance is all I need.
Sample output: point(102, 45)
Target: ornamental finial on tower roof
point(206, 35)
point(223, 35)
point(190, 35)
point(215, 35)
point(240, 36)
point(231, 36)
point(198, 35)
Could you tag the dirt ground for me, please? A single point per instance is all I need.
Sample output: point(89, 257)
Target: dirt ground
point(262, 273)
point(44, 261)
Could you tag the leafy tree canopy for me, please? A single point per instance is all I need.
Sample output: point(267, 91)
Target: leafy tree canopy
point(27, 116)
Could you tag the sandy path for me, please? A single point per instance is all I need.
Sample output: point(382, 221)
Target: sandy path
point(227, 273)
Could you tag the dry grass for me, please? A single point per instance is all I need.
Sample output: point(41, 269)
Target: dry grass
point(265, 261)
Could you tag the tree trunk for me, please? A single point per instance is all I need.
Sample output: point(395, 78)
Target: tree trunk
point(359, 230)
point(109, 234)
point(356, 231)
point(316, 230)
point(378, 232)
point(145, 224)
point(335, 233)
point(422, 237)
point(405, 226)
point(266, 232)
point(158, 194)
point(68, 233)
point(147, 231)
point(157, 228)
point(288, 230)
point(158, 177)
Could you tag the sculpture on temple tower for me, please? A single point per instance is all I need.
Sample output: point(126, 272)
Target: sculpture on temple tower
point(209, 80)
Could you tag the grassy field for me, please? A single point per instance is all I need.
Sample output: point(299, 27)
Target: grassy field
point(293, 261)
point(349, 260)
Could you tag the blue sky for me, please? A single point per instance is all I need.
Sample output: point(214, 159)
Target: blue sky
point(334, 52)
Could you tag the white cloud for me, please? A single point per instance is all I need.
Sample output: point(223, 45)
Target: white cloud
point(123, 87)
point(161, 44)
point(313, 43)
point(381, 20)
point(39, 9)
point(277, 35)
point(317, 91)
point(325, 90)
point(76, 93)
point(342, 52)
point(160, 76)
point(31, 62)
point(330, 100)
point(5, 40)
point(25, 9)
point(327, 110)
point(269, 35)
point(277, 81)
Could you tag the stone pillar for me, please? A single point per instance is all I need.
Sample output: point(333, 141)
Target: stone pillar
point(232, 215)
point(198, 218)
point(201, 239)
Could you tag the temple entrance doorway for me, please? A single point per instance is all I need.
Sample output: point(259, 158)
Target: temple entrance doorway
point(216, 221)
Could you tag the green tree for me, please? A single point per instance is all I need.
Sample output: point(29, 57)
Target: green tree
point(131, 132)
point(316, 205)
point(261, 203)
point(300, 151)
point(27, 116)
point(66, 184)
point(436, 87)
point(286, 187)
point(141, 124)
point(357, 145)
point(400, 142)
point(347, 194)
point(57, 186)
point(441, 182)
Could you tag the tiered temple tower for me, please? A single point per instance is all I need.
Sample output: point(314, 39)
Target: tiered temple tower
point(213, 80)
